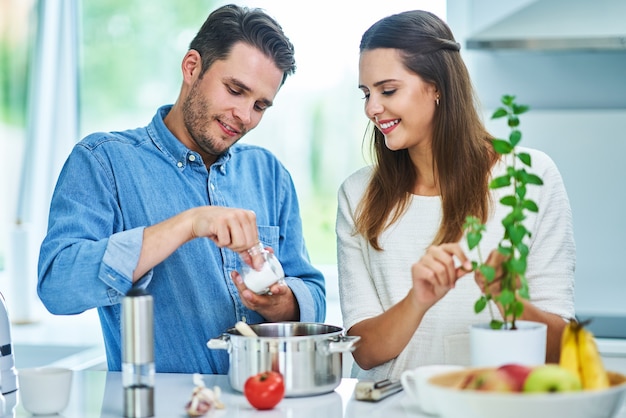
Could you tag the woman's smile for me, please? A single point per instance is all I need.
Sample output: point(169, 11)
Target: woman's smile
point(387, 126)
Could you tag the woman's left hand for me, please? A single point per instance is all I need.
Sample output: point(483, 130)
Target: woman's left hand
point(495, 260)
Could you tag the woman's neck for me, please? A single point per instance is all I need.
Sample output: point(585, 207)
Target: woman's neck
point(426, 183)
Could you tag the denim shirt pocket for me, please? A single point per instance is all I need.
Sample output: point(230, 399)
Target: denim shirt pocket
point(269, 236)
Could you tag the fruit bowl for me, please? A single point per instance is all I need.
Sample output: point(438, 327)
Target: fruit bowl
point(453, 402)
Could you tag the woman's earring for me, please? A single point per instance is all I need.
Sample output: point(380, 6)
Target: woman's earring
point(437, 101)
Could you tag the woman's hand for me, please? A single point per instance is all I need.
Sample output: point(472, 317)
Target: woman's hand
point(435, 273)
point(383, 337)
point(495, 260)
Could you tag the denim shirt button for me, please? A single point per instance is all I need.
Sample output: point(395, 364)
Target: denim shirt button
point(179, 164)
point(192, 158)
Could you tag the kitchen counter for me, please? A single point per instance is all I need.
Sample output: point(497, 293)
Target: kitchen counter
point(99, 394)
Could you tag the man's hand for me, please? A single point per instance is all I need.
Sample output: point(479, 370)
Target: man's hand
point(227, 227)
point(278, 305)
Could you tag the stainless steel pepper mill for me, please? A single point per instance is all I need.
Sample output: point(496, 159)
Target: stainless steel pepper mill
point(138, 354)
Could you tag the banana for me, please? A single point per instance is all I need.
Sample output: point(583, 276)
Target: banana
point(569, 349)
point(593, 374)
point(580, 355)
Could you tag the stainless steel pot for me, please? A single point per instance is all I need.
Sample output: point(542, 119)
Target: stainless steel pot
point(308, 355)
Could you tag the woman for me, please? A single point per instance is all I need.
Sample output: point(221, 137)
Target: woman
point(432, 163)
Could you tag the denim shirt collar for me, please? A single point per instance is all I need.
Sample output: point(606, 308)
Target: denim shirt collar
point(169, 144)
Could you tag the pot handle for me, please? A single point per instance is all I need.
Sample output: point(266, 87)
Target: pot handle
point(345, 344)
point(221, 343)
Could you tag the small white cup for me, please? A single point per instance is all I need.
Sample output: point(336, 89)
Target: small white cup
point(260, 281)
point(44, 390)
point(415, 384)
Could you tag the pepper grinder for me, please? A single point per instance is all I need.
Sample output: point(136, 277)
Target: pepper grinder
point(138, 354)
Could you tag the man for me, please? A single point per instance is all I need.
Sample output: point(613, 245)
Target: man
point(174, 206)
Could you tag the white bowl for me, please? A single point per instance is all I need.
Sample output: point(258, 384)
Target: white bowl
point(415, 384)
point(44, 390)
point(457, 403)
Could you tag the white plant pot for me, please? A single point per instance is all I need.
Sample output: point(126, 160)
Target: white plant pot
point(492, 348)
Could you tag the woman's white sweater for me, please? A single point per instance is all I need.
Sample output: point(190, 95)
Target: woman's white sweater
point(371, 282)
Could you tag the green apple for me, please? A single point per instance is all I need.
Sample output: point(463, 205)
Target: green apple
point(551, 378)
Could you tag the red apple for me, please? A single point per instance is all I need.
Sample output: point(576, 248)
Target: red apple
point(492, 380)
point(518, 374)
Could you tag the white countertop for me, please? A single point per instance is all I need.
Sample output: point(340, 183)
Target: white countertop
point(99, 394)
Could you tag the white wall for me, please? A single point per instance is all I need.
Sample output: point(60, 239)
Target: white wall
point(578, 116)
point(588, 147)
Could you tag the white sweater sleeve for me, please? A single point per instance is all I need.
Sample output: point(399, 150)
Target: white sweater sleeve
point(352, 256)
point(552, 256)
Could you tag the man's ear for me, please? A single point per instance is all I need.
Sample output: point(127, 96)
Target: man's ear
point(191, 65)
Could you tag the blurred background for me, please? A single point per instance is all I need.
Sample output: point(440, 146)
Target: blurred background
point(71, 67)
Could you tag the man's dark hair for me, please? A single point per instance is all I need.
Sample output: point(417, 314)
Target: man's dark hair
point(231, 24)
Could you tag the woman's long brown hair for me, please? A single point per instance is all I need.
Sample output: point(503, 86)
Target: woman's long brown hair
point(461, 146)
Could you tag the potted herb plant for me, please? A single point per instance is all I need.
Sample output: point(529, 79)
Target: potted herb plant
point(513, 244)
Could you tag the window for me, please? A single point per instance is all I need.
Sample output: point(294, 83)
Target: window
point(316, 126)
point(129, 65)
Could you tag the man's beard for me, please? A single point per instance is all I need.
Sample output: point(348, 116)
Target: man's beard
point(196, 119)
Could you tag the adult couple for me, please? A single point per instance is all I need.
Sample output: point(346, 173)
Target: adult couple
point(174, 206)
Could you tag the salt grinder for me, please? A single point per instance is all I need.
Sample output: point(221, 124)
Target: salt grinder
point(138, 354)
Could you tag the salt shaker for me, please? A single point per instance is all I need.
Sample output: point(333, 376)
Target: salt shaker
point(138, 354)
point(259, 281)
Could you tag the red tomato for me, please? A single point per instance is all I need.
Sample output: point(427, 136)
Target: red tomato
point(264, 390)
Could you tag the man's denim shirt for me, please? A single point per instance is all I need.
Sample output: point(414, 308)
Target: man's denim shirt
point(115, 184)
